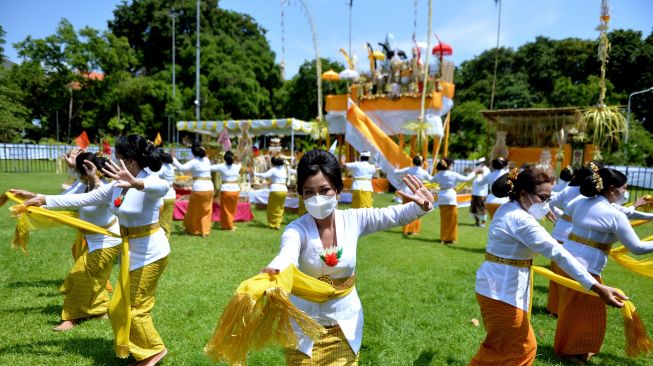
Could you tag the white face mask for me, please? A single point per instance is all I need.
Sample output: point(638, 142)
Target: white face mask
point(623, 198)
point(538, 210)
point(321, 206)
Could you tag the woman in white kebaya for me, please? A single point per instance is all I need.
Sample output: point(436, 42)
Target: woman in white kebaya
point(323, 245)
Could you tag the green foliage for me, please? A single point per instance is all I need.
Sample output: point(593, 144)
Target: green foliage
point(467, 134)
point(13, 113)
point(299, 95)
point(638, 151)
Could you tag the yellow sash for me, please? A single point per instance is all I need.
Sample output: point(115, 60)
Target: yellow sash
point(637, 341)
point(260, 313)
point(120, 303)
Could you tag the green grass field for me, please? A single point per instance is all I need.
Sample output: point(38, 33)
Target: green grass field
point(418, 295)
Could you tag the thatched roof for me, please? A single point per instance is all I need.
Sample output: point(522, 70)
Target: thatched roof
point(534, 127)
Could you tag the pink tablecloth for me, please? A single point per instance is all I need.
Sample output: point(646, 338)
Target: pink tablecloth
point(243, 211)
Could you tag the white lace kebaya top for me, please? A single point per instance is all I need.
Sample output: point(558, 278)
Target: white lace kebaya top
point(448, 179)
point(301, 246)
point(167, 173)
point(99, 215)
point(598, 220)
point(515, 234)
point(138, 208)
point(362, 172)
point(229, 175)
point(489, 180)
point(479, 188)
point(199, 168)
point(278, 176)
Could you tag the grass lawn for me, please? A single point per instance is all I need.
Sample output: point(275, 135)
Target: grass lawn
point(418, 295)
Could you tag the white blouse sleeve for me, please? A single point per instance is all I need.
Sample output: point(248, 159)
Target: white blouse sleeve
point(291, 243)
point(534, 236)
point(633, 214)
point(187, 166)
point(267, 174)
point(155, 187)
point(627, 236)
point(400, 171)
point(216, 168)
point(557, 200)
point(94, 197)
point(376, 219)
point(465, 178)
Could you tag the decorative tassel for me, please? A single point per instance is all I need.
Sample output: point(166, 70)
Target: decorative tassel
point(246, 324)
point(122, 351)
point(637, 341)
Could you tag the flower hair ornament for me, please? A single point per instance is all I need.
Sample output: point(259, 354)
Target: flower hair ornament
point(512, 177)
point(571, 170)
point(596, 178)
point(444, 163)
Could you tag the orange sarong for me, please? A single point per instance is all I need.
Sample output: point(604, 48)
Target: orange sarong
point(582, 320)
point(413, 227)
point(491, 209)
point(199, 214)
point(228, 204)
point(510, 340)
point(448, 223)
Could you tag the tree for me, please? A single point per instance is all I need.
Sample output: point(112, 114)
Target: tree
point(238, 74)
point(301, 91)
point(13, 114)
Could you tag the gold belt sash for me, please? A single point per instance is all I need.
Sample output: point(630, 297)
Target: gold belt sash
point(604, 247)
point(136, 232)
point(230, 181)
point(362, 178)
point(511, 262)
point(339, 283)
point(566, 217)
point(202, 178)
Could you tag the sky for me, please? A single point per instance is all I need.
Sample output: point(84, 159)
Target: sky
point(469, 26)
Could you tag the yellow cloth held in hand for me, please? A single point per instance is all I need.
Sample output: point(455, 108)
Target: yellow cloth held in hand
point(637, 341)
point(32, 218)
point(260, 313)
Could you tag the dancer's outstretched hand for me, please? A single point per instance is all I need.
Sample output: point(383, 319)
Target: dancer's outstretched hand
point(120, 173)
point(421, 196)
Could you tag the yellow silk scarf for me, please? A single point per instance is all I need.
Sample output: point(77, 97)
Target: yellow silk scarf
point(260, 313)
point(637, 341)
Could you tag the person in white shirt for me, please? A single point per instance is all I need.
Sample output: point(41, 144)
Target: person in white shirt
point(499, 167)
point(135, 197)
point(416, 170)
point(361, 188)
point(199, 215)
point(229, 190)
point(479, 192)
point(503, 280)
point(324, 230)
point(563, 180)
point(167, 173)
point(278, 175)
point(85, 287)
point(596, 225)
point(447, 198)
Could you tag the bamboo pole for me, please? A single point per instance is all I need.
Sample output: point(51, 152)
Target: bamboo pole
point(425, 149)
point(413, 141)
point(402, 143)
point(445, 153)
point(328, 141)
point(436, 150)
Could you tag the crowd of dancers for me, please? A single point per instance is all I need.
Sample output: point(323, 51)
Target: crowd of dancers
point(132, 197)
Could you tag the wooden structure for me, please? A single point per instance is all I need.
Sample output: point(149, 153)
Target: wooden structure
point(530, 132)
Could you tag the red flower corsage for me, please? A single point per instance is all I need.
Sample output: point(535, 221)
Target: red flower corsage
point(331, 256)
point(118, 201)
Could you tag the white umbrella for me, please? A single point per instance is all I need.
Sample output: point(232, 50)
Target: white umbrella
point(349, 74)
